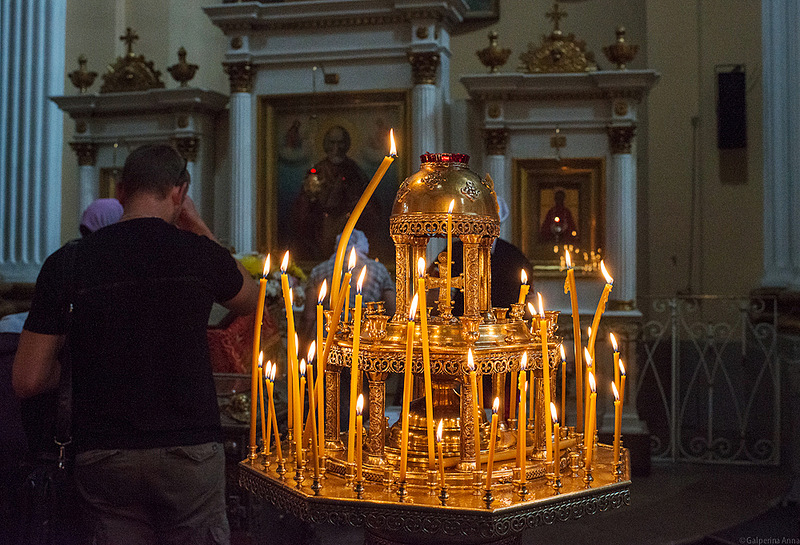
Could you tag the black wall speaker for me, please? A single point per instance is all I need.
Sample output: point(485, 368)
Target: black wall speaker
point(731, 109)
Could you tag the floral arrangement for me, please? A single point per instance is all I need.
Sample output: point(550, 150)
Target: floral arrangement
point(254, 264)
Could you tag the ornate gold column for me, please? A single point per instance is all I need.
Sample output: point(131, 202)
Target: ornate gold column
point(376, 436)
point(467, 448)
point(486, 272)
point(472, 271)
point(332, 382)
point(242, 202)
point(403, 298)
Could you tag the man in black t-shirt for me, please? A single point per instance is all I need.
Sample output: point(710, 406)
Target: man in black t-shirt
point(146, 427)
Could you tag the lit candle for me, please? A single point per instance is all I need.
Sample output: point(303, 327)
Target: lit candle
point(337, 310)
point(353, 218)
point(590, 429)
point(311, 412)
point(290, 349)
point(359, 437)
point(522, 422)
point(601, 307)
point(449, 254)
point(621, 381)
point(588, 359)
point(426, 357)
point(512, 396)
point(531, 391)
point(617, 421)
point(523, 287)
point(563, 383)
point(261, 400)
point(351, 263)
point(569, 285)
point(407, 389)
point(354, 371)
point(545, 376)
point(271, 394)
point(616, 359)
point(298, 449)
point(255, 374)
point(476, 415)
point(492, 436)
point(439, 445)
point(268, 438)
point(556, 449)
point(320, 384)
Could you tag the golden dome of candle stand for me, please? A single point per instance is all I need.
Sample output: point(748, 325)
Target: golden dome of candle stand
point(418, 510)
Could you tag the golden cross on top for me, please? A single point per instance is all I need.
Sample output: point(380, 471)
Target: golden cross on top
point(129, 37)
point(556, 15)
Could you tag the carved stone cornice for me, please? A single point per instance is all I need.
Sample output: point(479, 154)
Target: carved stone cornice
point(240, 75)
point(620, 138)
point(86, 152)
point(496, 141)
point(423, 67)
point(187, 146)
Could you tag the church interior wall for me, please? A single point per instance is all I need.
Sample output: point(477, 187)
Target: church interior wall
point(683, 40)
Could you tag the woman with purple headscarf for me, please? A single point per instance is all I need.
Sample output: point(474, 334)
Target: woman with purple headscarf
point(99, 214)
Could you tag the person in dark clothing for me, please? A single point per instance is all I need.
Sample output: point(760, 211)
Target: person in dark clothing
point(145, 423)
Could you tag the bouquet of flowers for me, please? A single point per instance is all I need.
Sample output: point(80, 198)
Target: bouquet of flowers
point(254, 264)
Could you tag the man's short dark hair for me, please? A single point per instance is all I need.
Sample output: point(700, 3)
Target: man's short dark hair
point(153, 168)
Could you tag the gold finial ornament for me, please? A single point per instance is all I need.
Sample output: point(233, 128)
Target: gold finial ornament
point(183, 71)
point(493, 56)
point(131, 72)
point(558, 53)
point(621, 52)
point(82, 78)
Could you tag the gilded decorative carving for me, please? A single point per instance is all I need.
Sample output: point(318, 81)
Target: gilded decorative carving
point(377, 408)
point(620, 52)
point(81, 127)
point(131, 72)
point(82, 78)
point(496, 141)
point(493, 56)
point(423, 67)
point(182, 72)
point(472, 275)
point(187, 147)
point(620, 138)
point(86, 152)
point(422, 32)
point(237, 42)
point(467, 417)
point(493, 110)
point(332, 384)
point(558, 53)
point(183, 121)
point(401, 274)
point(620, 108)
point(240, 75)
point(436, 225)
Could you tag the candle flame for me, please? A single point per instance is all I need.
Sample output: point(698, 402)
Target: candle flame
point(285, 262)
point(592, 383)
point(266, 266)
point(567, 259)
point(614, 389)
point(312, 351)
point(496, 405)
point(523, 276)
point(323, 291)
point(421, 267)
point(440, 431)
point(621, 368)
point(272, 371)
point(413, 310)
point(360, 404)
point(613, 342)
point(587, 358)
point(553, 413)
point(303, 368)
point(603, 269)
point(267, 370)
point(450, 208)
point(260, 359)
point(541, 305)
point(531, 309)
point(523, 362)
point(392, 147)
point(589, 331)
point(470, 360)
point(361, 278)
point(351, 263)
point(563, 354)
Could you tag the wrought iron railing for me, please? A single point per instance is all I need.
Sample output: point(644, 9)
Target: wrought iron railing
point(709, 379)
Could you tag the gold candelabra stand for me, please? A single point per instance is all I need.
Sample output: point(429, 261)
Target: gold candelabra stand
point(467, 507)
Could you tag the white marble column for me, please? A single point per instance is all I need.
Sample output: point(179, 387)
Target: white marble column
point(620, 250)
point(31, 131)
point(88, 182)
point(495, 166)
point(781, 87)
point(242, 189)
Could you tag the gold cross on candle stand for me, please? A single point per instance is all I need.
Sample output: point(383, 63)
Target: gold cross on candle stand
point(432, 282)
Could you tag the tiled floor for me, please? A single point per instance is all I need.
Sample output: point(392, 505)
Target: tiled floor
point(674, 504)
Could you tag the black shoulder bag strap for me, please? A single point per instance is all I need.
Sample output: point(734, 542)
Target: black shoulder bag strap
point(64, 410)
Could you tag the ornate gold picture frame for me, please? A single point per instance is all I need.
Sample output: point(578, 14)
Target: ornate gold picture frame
point(297, 205)
point(559, 204)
